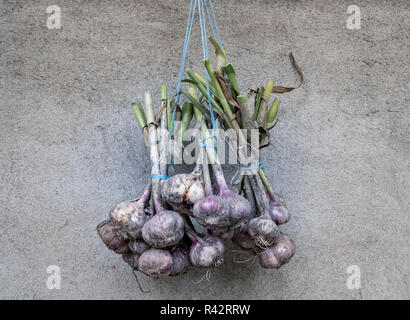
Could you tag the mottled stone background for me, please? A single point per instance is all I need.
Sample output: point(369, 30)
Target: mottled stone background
point(71, 149)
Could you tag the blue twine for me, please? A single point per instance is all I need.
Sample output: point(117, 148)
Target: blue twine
point(215, 31)
point(210, 20)
point(159, 176)
point(158, 161)
point(190, 21)
point(216, 25)
point(204, 145)
point(202, 19)
point(215, 34)
point(248, 167)
point(191, 16)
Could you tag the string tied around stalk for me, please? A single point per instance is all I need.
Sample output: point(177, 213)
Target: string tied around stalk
point(159, 176)
point(204, 145)
point(260, 165)
point(237, 177)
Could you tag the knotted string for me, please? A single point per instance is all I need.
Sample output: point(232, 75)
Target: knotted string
point(236, 179)
point(159, 176)
point(257, 166)
point(204, 145)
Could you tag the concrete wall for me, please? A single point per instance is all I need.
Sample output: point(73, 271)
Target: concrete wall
point(71, 149)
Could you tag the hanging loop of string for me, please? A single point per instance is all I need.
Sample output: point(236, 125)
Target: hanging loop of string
point(215, 31)
point(202, 7)
point(191, 15)
point(202, 18)
point(190, 21)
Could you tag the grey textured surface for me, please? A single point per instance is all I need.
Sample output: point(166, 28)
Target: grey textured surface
point(71, 149)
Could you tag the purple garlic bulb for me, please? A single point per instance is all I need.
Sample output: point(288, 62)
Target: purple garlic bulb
point(155, 263)
point(138, 246)
point(279, 214)
point(225, 210)
point(131, 258)
point(164, 229)
point(181, 191)
point(243, 239)
point(207, 252)
point(263, 230)
point(278, 211)
point(180, 260)
point(111, 237)
point(130, 217)
point(278, 254)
